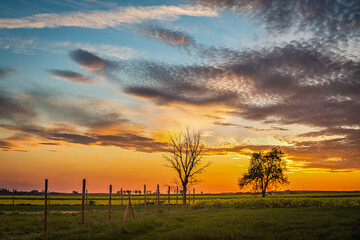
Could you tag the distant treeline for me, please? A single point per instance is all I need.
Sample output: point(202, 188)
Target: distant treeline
point(5, 191)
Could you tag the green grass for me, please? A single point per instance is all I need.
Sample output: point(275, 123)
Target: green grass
point(219, 217)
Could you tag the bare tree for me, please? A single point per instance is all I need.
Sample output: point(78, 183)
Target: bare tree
point(185, 156)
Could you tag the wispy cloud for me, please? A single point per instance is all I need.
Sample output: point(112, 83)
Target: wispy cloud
point(15, 109)
point(59, 136)
point(48, 117)
point(248, 127)
point(68, 75)
point(104, 19)
point(166, 35)
point(4, 72)
point(30, 46)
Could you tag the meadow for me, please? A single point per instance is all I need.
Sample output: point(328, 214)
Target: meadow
point(218, 216)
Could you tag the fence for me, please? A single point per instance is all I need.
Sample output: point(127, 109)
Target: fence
point(146, 198)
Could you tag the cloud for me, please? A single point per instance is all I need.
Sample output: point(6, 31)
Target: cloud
point(6, 145)
point(166, 35)
point(338, 20)
point(4, 72)
point(297, 83)
point(96, 115)
point(30, 46)
point(294, 83)
point(88, 60)
point(45, 117)
point(248, 127)
point(59, 136)
point(54, 107)
point(108, 50)
point(335, 154)
point(281, 82)
point(15, 108)
point(182, 40)
point(68, 75)
point(104, 19)
point(167, 96)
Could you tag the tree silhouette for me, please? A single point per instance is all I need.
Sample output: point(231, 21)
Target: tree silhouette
point(266, 170)
point(185, 156)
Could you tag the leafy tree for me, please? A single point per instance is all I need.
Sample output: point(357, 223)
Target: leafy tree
point(266, 170)
point(185, 154)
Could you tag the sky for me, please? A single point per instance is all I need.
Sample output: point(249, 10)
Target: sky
point(92, 89)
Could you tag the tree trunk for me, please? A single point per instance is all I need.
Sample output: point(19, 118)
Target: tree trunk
point(263, 193)
point(184, 194)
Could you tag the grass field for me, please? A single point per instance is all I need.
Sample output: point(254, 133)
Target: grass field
point(296, 216)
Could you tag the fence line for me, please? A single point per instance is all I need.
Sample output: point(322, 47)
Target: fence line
point(129, 212)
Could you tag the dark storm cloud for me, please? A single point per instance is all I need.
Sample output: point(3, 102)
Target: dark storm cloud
point(333, 19)
point(88, 60)
point(68, 75)
point(4, 72)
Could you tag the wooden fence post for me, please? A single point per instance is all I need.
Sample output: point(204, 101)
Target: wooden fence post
point(177, 196)
point(45, 207)
point(145, 198)
point(189, 198)
point(121, 196)
point(13, 205)
point(158, 196)
point(110, 190)
point(193, 195)
point(169, 198)
point(86, 202)
point(83, 202)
